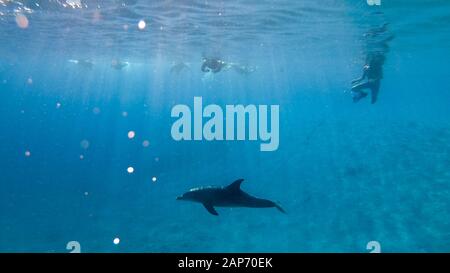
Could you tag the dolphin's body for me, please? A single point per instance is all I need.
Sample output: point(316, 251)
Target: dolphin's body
point(229, 196)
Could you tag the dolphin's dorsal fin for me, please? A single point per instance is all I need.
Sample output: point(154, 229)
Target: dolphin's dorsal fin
point(235, 186)
point(210, 209)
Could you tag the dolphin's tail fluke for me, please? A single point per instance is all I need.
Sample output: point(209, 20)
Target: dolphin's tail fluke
point(278, 206)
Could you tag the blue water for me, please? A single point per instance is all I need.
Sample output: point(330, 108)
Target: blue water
point(346, 173)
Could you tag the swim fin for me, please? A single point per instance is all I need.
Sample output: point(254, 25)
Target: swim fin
point(374, 95)
point(358, 96)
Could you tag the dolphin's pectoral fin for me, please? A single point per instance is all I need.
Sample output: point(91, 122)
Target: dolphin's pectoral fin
point(210, 209)
point(236, 185)
point(278, 206)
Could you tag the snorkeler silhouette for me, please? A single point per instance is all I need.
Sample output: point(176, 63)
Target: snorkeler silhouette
point(215, 65)
point(373, 68)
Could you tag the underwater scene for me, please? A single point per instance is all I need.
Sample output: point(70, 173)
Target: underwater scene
point(224, 126)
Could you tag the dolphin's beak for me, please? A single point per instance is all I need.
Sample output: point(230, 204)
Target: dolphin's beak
point(179, 198)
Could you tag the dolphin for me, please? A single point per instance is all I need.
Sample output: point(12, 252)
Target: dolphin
point(229, 196)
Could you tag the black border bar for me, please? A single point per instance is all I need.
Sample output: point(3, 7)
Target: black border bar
point(223, 262)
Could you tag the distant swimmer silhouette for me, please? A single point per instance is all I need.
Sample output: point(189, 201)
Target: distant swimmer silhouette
point(243, 69)
point(179, 67)
point(229, 196)
point(213, 65)
point(216, 65)
point(377, 40)
point(86, 63)
point(373, 71)
point(117, 64)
